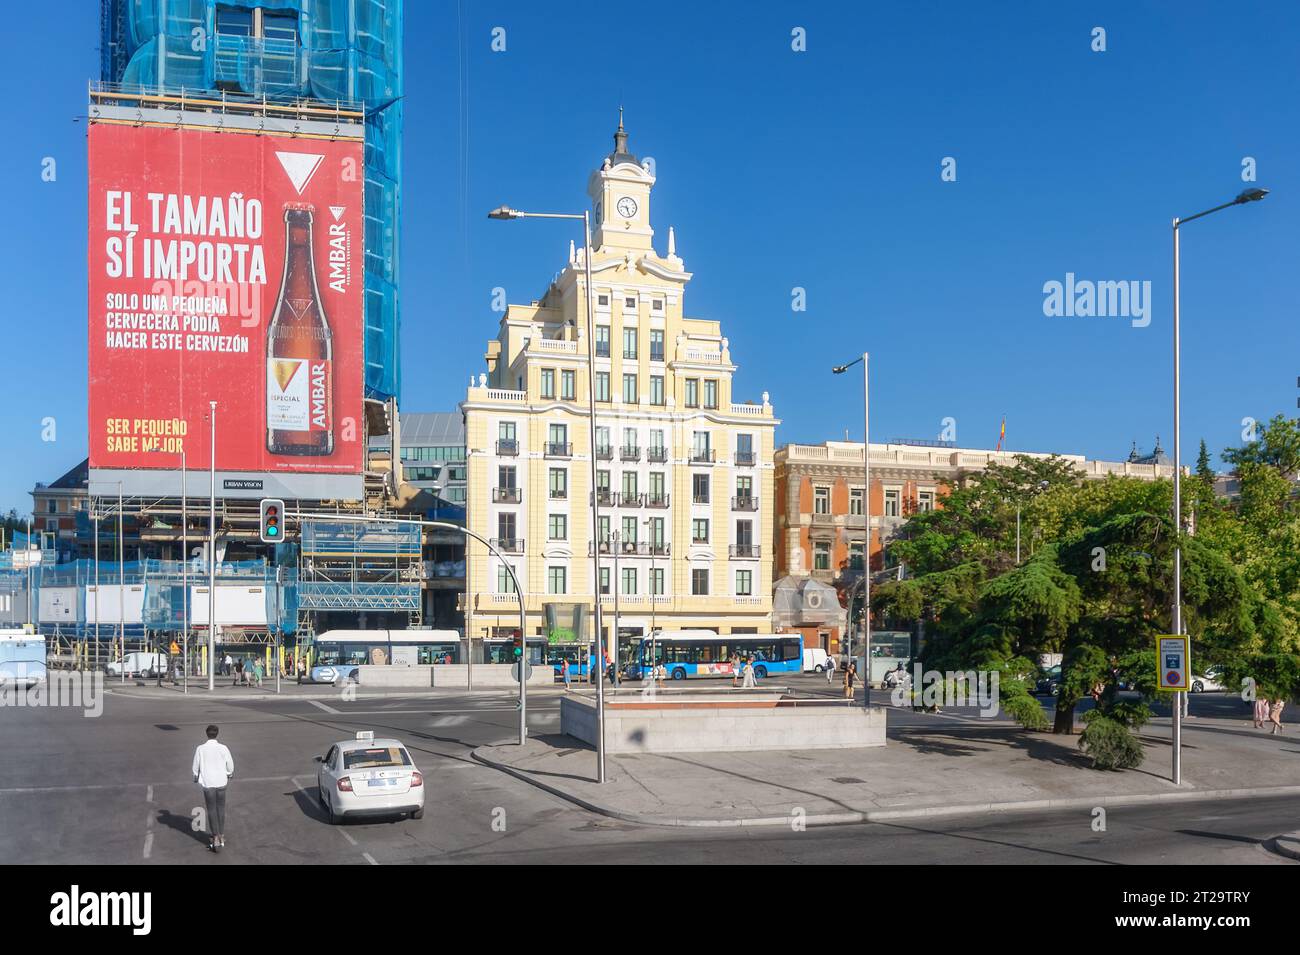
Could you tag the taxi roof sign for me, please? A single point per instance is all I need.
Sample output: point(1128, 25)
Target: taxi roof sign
point(365, 736)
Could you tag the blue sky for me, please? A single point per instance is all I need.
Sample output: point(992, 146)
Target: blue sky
point(778, 169)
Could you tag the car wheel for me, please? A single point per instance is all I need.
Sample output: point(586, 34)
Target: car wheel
point(1056, 691)
point(335, 817)
point(819, 668)
point(418, 814)
point(1198, 686)
point(679, 674)
point(760, 673)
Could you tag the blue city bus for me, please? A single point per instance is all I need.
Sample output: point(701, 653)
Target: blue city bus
point(578, 655)
point(685, 654)
point(22, 658)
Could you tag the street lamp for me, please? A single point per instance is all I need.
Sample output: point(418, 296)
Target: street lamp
point(866, 518)
point(1247, 195)
point(505, 212)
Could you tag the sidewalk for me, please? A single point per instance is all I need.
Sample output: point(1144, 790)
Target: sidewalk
point(225, 692)
point(945, 767)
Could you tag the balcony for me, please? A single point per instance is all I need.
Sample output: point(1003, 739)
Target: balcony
point(702, 456)
point(744, 550)
point(656, 455)
point(662, 549)
point(505, 495)
point(508, 545)
point(744, 459)
point(606, 547)
point(699, 499)
point(656, 500)
point(603, 497)
point(744, 502)
point(508, 448)
point(656, 354)
point(604, 452)
point(602, 349)
point(629, 452)
point(558, 449)
point(631, 500)
point(559, 494)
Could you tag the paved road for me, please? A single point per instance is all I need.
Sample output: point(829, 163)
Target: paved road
point(117, 789)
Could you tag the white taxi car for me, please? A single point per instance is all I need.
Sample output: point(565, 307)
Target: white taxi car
point(369, 777)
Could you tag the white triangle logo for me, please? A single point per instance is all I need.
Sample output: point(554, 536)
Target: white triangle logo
point(337, 212)
point(300, 167)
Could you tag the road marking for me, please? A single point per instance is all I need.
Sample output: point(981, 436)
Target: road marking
point(449, 721)
point(148, 845)
point(369, 858)
point(148, 794)
point(347, 837)
point(328, 709)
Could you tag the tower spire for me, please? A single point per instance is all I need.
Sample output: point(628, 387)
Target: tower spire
point(620, 137)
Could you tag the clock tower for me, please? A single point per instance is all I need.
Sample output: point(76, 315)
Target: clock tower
point(620, 196)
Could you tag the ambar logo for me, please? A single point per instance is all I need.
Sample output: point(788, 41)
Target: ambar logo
point(100, 909)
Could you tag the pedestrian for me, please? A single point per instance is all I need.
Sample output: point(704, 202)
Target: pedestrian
point(258, 671)
point(213, 766)
point(830, 670)
point(564, 672)
point(850, 676)
point(228, 666)
point(238, 674)
point(1261, 712)
point(735, 670)
point(1275, 715)
point(748, 682)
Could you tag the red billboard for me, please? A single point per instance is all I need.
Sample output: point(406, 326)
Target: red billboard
point(225, 266)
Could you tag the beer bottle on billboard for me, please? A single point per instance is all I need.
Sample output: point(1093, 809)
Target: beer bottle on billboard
point(299, 350)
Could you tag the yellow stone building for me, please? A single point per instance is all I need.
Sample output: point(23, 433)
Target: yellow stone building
point(685, 474)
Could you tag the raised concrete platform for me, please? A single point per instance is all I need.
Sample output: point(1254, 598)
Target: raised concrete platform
point(720, 722)
point(453, 675)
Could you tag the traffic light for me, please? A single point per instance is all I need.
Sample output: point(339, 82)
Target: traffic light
point(272, 520)
point(519, 644)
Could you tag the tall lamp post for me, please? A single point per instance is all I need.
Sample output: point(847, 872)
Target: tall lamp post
point(505, 212)
point(865, 358)
point(212, 544)
point(1247, 195)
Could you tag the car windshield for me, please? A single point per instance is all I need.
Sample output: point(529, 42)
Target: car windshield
point(376, 757)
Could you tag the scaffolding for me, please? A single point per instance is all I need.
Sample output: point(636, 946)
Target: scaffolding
point(356, 567)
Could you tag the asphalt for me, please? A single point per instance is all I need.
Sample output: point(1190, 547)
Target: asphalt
point(117, 789)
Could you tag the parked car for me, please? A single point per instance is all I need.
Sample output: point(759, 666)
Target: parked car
point(815, 660)
point(1209, 681)
point(1049, 682)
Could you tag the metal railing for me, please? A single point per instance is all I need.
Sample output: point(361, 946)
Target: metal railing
point(744, 502)
point(744, 459)
point(702, 456)
point(657, 500)
point(629, 452)
point(505, 495)
point(656, 455)
point(508, 545)
point(508, 447)
point(604, 452)
point(744, 550)
point(559, 449)
point(631, 500)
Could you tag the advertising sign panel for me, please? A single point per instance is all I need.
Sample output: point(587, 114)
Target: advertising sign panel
point(1173, 663)
point(225, 266)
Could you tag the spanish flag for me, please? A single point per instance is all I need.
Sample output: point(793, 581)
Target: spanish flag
point(1002, 436)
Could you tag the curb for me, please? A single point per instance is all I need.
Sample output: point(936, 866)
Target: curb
point(217, 697)
point(1287, 844)
point(929, 812)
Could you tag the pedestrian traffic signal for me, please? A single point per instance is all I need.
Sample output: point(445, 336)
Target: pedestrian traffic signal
point(272, 520)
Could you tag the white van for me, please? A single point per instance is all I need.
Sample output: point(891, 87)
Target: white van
point(139, 663)
point(815, 660)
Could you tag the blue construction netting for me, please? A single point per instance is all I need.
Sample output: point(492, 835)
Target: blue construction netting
point(327, 50)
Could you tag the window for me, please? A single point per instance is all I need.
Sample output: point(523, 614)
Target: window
point(506, 476)
point(558, 433)
point(821, 500)
point(692, 392)
point(602, 386)
point(559, 484)
point(629, 530)
point(603, 448)
point(52, 524)
point(744, 450)
point(629, 389)
point(506, 529)
point(744, 583)
point(602, 481)
point(604, 580)
point(656, 485)
point(891, 502)
point(629, 580)
point(710, 393)
point(855, 501)
point(656, 389)
point(548, 382)
point(506, 430)
point(52, 506)
point(700, 488)
point(745, 539)
point(656, 344)
point(657, 452)
point(568, 387)
point(855, 555)
point(602, 341)
point(822, 555)
point(629, 303)
point(657, 533)
point(925, 501)
point(629, 440)
point(699, 531)
point(602, 529)
point(602, 300)
point(505, 585)
point(700, 447)
point(699, 581)
point(629, 343)
point(657, 305)
point(557, 580)
point(744, 489)
point(629, 487)
point(657, 581)
point(557, 526)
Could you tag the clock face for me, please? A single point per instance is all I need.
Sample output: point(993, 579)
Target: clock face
point(627, 207)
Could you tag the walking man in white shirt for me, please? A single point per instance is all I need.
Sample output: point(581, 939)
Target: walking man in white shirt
point(213, 767)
